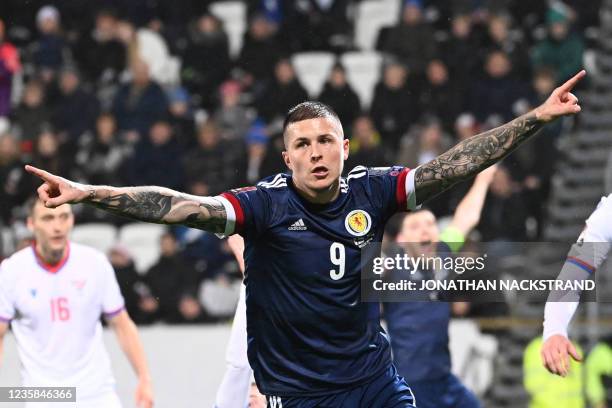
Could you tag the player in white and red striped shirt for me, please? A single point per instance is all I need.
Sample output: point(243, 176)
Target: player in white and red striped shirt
point(52, 294)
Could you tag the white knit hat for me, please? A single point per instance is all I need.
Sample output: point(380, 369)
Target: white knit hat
point(47, 12)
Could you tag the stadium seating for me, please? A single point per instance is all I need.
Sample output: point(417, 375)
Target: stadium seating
point(312, 69)
point(372, 15)
point(472, 354)
point(233, 16)
point(7, 240)
point(143, 243)
point(363, 72)
point(219, 299)
point(96, 235)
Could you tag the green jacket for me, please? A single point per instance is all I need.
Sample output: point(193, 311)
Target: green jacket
point(598, 364)
point(565, 57)
point(548, 390)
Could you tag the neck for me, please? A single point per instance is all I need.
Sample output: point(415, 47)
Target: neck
point(319, 197)
point(50, 256)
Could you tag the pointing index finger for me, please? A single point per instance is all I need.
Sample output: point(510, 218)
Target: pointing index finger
point(570, 83)
point(38, 172)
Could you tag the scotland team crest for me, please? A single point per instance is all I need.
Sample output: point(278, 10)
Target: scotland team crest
point(358, 223)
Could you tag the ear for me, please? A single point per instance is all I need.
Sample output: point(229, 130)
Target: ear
point(345, 148)
point(30, 224)
point(287, 160)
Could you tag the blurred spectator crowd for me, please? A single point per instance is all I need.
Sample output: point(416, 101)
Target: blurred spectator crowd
point(138, 92)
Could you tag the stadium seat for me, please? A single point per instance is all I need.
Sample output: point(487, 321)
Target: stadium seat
point(142, 240)
point(312, 69)
point(372, 15)
point(219, 299)
point(363, 72)
point(7, 241)
point(233, 15)
point(97, 235)
point(472, 354)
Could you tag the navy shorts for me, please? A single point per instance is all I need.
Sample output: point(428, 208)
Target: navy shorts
point(387, 391)
point(447, 392)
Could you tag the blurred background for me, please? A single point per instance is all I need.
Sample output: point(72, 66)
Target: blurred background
point(191, 94)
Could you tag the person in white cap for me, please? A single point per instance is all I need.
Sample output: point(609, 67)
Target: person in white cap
point(51, 48)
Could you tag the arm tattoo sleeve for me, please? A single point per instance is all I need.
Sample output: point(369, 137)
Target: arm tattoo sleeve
point(163, 206)
point(472, 155)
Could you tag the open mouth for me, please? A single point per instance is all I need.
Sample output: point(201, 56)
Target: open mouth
point(426, 246)
point(320, 171)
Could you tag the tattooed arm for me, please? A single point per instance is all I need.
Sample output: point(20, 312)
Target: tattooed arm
point(150, 204)
point(473, 155)
point(160, 205)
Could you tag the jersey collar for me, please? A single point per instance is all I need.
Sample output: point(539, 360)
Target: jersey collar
point(327, 207)
point(49, 267)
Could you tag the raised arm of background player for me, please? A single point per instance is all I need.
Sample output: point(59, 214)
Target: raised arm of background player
point(584, 258)
point(466, 217)
point(162, 205)
point(467, 214)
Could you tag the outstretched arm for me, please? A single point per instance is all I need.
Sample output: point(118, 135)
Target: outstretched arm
point(150, 204)
point(584, 258)
point(467, 214)
point(477, 153)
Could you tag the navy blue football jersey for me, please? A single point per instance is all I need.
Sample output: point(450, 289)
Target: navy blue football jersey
point(419, 330)
point(308, 332)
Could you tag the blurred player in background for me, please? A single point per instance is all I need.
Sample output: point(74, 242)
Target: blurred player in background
point(419, 329)
point(52, 294)
point(585, 256)
point(236, 389)
point(311, 342)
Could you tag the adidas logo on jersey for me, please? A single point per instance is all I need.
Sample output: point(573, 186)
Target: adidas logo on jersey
point(298, 226)
point(275, 402)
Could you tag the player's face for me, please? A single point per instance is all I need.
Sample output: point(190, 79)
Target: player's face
point(419, 233)
point(315, 153)
point(51, 227)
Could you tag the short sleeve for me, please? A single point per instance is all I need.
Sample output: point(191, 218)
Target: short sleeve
point(598, 232)
point(7, 295)
point(112, 300)
point(391, 187)
point(247, 209)
point(597, 225)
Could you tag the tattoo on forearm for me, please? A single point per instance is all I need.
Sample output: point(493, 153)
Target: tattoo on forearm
point(145, 206)
point(213, 221)
point(163, 206)
point(472, 155)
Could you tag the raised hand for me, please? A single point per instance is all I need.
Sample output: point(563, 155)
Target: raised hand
point(486, 176)
point(561, 101)
point(556, 352)
point(56, 190)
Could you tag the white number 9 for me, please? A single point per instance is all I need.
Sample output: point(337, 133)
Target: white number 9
point(337, 257)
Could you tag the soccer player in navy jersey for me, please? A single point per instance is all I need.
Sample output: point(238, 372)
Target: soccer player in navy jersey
point(311, 342)
point(419, 328)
